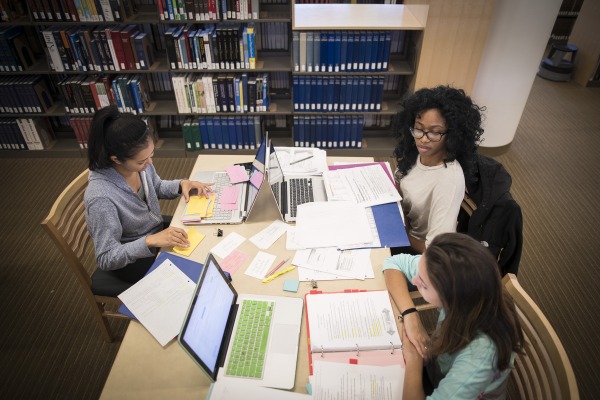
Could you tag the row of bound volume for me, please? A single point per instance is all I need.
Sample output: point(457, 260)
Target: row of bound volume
point(208, 10)
point(341, 51)
point(15, 49)
point(24, 94)
point(25, 134)
point(100, 48)
point(328, 132)
point(192, 46)
point(80, 11)
point(214, 93)
point(86, 94)
point(227, 133)
point(338, 93)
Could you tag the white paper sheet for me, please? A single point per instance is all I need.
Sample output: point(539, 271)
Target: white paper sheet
point(351, 264)
point(260, 265)
point(265, 238)
point(367, 186)
point(332, 381)
point(231, 388)
point(160, 300)
point(228, 244)
point(331, 224)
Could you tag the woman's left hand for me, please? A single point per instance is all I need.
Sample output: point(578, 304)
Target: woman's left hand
point(187, 186)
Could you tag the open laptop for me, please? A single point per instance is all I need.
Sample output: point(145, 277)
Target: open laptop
point(216, 335)
point(246, 195)
point(290, 192)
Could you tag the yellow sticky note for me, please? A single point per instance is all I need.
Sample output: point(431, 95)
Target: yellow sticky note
point(201, 206)
point(194, 237)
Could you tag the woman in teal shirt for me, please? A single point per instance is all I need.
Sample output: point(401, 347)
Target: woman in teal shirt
point(471, 351)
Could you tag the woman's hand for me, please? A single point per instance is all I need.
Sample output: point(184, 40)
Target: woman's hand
point(412, 356)
point(416, 334)
point(187, 186)
point(172, 236)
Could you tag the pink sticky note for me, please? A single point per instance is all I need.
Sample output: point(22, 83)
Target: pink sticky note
point(234, 261)
point(229, 206)
point(237, 174)
point(256, 178)
point(229, 195)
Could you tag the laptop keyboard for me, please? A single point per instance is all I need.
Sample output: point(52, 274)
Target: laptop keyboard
point(249, 347)
point(221, 181)
point(301, 191)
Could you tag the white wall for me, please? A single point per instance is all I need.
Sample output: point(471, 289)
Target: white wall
point(515, 46)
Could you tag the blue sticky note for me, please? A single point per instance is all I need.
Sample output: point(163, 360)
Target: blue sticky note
point(291, 285)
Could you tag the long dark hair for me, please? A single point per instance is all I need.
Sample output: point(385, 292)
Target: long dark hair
point(463, 120)
point(115, 134)
point(467, 279)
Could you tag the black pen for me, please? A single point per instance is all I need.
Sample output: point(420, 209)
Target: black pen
point(302, 159)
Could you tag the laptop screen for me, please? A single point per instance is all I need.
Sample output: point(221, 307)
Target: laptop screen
point(206, 321)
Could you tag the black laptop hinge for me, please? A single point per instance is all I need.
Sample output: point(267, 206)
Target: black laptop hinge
point(283, 196)
point(227, 335)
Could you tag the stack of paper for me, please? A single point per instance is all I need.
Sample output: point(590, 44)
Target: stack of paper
point(197, 208)
point(302, 160)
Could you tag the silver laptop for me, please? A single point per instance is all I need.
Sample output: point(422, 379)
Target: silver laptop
point(290, 192)
point(247, 190)
point(216, 332)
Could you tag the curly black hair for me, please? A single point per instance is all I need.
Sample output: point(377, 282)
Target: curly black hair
point(463, 120)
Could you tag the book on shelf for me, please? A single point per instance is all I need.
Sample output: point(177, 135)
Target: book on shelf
point(25, 134)
point(15, 49)
point(352, 327)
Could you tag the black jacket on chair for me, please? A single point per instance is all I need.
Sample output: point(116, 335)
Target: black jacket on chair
point(498, 220)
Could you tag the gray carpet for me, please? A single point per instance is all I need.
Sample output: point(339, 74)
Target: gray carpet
point(50, 348)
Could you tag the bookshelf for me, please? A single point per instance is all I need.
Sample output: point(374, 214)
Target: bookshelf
point(406, 25)
point(279, 118)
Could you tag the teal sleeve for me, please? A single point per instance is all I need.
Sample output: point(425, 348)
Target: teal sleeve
point(405, 263)
point(470, 373)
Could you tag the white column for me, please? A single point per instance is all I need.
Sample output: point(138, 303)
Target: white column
point(515, 46)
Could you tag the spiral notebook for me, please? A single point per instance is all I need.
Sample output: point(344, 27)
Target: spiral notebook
point(356, 327)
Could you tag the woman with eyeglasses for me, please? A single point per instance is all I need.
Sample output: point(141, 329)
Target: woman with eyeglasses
point(438, 132)
point(471, 351)
point(121, 201)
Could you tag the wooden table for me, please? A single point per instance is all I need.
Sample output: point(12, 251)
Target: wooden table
point(145, 370)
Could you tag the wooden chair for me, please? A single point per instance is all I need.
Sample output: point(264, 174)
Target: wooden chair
point(66, 226)
point(544, 371)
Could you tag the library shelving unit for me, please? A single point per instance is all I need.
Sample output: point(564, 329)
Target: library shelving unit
point(408, 20)
point(298, 17)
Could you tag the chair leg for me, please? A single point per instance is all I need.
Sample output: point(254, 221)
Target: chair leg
point(98, 308)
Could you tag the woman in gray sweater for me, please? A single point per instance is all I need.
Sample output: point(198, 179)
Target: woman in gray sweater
point(121, 201)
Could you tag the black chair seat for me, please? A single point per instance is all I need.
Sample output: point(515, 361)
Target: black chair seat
point(105, 283)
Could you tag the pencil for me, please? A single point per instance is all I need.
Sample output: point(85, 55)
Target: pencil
point(271, 272)
point(302, 159)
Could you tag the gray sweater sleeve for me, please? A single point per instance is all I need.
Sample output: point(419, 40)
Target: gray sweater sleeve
point(105, 228)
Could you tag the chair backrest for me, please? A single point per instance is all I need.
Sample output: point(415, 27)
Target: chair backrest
point(66, 226)
point(544, 371)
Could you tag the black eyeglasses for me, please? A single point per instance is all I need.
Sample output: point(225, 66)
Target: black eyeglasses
point(432, 136)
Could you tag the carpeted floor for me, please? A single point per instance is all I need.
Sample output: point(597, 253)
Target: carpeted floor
point(50, 348)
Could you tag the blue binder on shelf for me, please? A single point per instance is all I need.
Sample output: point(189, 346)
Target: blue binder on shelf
point(388, 219)
point(191, 268)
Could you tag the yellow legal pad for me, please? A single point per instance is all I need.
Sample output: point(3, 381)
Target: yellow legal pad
point(194, 237)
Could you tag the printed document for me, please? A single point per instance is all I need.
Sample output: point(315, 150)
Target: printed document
point(351, 264)
point(160, 300)
point(331, 224)
point(333, 381)
point(367, 186)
